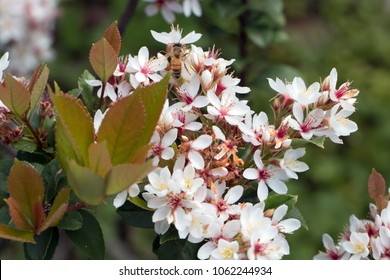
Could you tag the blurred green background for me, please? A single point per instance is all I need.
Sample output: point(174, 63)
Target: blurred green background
point(296, 37)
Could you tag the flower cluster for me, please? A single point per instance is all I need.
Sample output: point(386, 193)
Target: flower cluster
point(168, 8)
point(211, 150)
point(363, 239)
point(26, 27)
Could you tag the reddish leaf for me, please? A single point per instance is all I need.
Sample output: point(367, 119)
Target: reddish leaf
point(15, 96)
point(103, 59)
point(113, 37)
point(26, 187)
point(376, 185)
point(16, 234)
point(57, 211)
point(19, 219)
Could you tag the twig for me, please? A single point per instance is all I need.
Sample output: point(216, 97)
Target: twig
point(127, 15)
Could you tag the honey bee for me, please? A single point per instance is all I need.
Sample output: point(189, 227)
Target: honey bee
point(175, 56)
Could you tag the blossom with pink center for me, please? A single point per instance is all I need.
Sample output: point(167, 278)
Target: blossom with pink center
point(225, 203)
point(144, 70)
point(168, 8)
point(188, 94)
point(229, 83)
point(162, 146)
point(306, 126)
point(269, 176)
point(229, 107)
point(333, 252)
point(255, 129)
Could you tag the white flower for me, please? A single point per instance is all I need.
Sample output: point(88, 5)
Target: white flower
point(287, 225)
point(266, 176)
point(305, 96)
point(175, 37)
point(192, 6)
point(108, 90)
point(201, 143)
point(227, 82)
point(4, 62)
point(279, 87)
point(332, 252)
point(188, 93)
point(340, 123)
point(162, 146)
point(160, 183)
point(256, 129)
point(145, 69)
point(290, 164)
point(225, 203)
point(357, 245)
point(252, 220)
point(229, 107)
point(306, 126)
point(168, 9)
point(226, 250)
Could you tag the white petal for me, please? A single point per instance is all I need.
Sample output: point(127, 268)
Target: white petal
point(277, 185)
point(257, 159)
point(161, 213)
point(190, 38)
point(162, 37)
point(262, 191)
point(290, 225)
point(298, 112)
point(196, 159)
point(234, 194)
point(143, 56)
point(204, 252)
point(218, 133)
point(202, 142)
point(120, 199)
point(133, 190)
point(279, 213)
point(169, 138)
point(251, 174)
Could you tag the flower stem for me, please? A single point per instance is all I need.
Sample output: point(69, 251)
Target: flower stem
point(127, 15)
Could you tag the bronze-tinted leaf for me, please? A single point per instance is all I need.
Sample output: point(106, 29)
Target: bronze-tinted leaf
point(57, 210)
point(15, 96)
point(103, 59)
point(122, 128)
point(376, 185)
point(27, 189)
point(38, 86)
point(74, 129)
point(113, 37)
point(123, 176)
point(99, 158)
point(16, 234)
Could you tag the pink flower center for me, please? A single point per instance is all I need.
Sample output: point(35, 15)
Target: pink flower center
point(264, 174)
point(259, 249)
point(175, 201)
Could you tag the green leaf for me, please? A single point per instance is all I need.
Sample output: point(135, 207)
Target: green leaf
point(122, 128)
point(89, 238)
point(38, 87)
point(123, 176)
point(15, 96)
point(45, 246)
point(26, 145)
point(74, 130)
point(103, 59)
point(139, 203)
point(99, 158)
point(260, 37)
point(296, 214)
point(16, 234)
point(57, 210)
point(136, 216)
point(26, 190)
point(86, 184)
point(71, 221)
point(275, 200)
point(130, 122)
point(170, 235)
point(49, 174)
point(153, 98)
point(113, 37)
point(318, 141)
